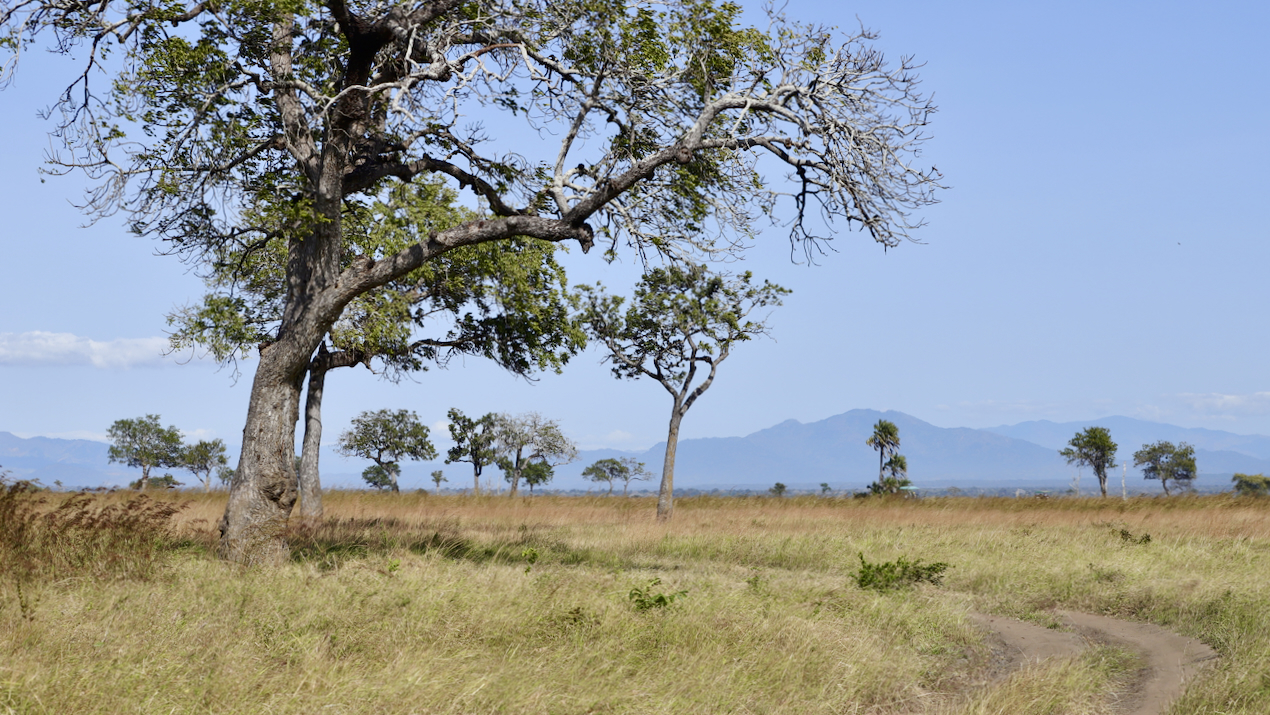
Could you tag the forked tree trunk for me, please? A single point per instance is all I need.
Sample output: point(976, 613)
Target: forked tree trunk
point(666, 497)
point(1102, 483)
point(310, 453)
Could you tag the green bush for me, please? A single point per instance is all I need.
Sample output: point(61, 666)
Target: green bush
point(645, 600)
point(900, 573)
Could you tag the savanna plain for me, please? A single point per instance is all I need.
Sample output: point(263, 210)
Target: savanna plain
point(424, 603)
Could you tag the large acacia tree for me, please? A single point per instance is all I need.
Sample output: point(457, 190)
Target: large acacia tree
point(644, 124)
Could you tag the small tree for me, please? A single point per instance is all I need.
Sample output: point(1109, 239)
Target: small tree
point(203, 458)
point(526, 439)
point(167, 481)
point(825, 488)
point(1251, 485)
point(379, 476)
point(473, 443)
point(438, 476)
point(536, 473)
point(386, 437)
point(1167, 463)
point(605, 471)
point(886, 440)
point(1093, 448)
point(226, 476)
point(778, 490)
point(144, 444)
point(682, 320)
point(894, 476)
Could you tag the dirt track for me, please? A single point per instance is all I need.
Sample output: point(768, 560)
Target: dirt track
point(1171, 659)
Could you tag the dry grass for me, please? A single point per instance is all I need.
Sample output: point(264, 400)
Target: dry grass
point(424, 603)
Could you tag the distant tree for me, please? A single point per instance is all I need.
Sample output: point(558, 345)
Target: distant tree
point(886, 440)
point(438, 476)
point(894, 477)
point(474, 443)
point(536, 473)
point(636, 471)
point(144, 444)
point(526, 439)
point(1093, 448)
point(825, 488)
point(380, 476)
point(386, 437)
point(778, 490)
point(203, 458)
point(1251, 485)
point(1167, 463)
point(604, 471)
point(682, 319)
point(226, 476)
point(167, 481)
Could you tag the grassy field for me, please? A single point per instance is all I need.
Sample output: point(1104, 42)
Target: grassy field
point(449, 604)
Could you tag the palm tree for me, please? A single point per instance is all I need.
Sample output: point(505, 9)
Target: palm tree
point(886, 440)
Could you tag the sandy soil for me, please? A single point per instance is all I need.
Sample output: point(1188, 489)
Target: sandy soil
point(1171, 659)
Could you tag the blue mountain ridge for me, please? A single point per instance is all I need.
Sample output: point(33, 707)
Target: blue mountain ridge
point(800, 455)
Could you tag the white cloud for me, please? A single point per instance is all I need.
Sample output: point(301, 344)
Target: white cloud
point(41, 348)
point(1218, 405)
point(441, 429)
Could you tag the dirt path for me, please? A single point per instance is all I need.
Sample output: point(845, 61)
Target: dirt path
point(1171, 659)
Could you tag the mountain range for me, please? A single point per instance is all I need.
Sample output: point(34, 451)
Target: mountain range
point(800, 455)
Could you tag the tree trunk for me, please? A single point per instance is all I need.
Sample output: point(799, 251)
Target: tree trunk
point(1102, 483)
point(1165, 483)
point(666, 497)
point(476, 480)
point(145, 478)
point(392, 474)
point(310, 478)
point(515, 476)
point(265, 489)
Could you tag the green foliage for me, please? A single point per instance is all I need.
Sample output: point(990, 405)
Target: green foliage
point(386, 437)
point(1167, 463)
point(894, 477)
point(438, 476)
point(900, 573)
point(1127, 537)
point(167, 481)
point(530, 555)
point(1251, 485)
point(825, 488)
point(144, 444)
point(680, 317)
point(643, 598)
point(778, 490)
point(535, 473)
point(381, 476)
point(1092, 448)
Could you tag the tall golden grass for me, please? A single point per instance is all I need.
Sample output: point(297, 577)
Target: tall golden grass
point(419, 603)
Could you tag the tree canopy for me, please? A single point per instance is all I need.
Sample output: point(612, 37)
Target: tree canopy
point(1167, 463)
point(143, 443)
point(231, 123)
point(681, 324)
point(1093, 448)
point(386, 437)
point(524, 441)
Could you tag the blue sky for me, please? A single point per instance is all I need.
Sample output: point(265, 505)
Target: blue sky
point(1102, 250)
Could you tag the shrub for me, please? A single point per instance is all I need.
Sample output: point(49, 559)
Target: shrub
point(900, 573)
point(645, 600)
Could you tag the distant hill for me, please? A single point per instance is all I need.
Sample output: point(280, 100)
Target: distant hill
point(802, 456)
point(73, 462)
